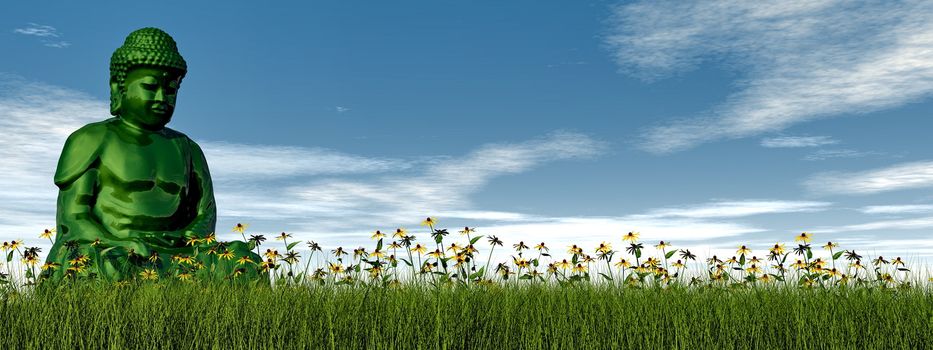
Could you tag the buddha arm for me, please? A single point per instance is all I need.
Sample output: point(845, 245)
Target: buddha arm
point(206, 217)
point(76, 221)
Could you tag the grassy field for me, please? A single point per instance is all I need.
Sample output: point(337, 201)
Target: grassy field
point(168, 314)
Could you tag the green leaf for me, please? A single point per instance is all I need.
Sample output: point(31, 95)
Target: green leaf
point(838, 254)
point(525, 277)
point(574, 259)
point(407, 262)
point(378, 245)
point(902, 269)
point(637, 253)
point(606, 277)
point(809, 254)
point(9, 256)
point(479, 273)
point(438, 239)
point(742, 260)
point(669, 254)
point(292, 245)
point(474, 239)
point(534, 262)
point(104, 252)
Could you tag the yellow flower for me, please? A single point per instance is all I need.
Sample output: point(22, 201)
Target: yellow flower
point(833, 272)
point(50, 265)
point(662, 245)
point(765, 278)
point(631, 236)
point(185, 259)
point(743, 250)
point(753, 269)
point(377, 235)
point(467, 230)
point(454, 248)
point(192, 241)
point(652, 261)
point(244, 260)
point(6, 246)
point(15, 244)
point(227, 254)
point(419, 248)
point(429, 221)
point(777, 249)
point(678, 264)
point(574, 250)
point(857, 265)
point(336, 268)
point(830, 245)
point(579, 268)
point(437, 253)
point(805, 237)
point(541, 247)
point(799, 265)
point(623, 264)
point(149, 274)
point(282, 236)
point(47, 233)
point(184, 276)
point(399, 233)
point(603, 248)
point(272, 254)
point(897, 261)
point(210, 238)
point(240, 227)
point(754, 260)
point(377, 254)
point(563, 264)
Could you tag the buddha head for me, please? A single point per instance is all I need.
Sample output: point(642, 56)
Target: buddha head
point(145, 74)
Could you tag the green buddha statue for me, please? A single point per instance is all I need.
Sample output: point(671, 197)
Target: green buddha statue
point(135, 195)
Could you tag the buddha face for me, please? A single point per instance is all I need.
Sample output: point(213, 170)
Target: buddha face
point(149, 96)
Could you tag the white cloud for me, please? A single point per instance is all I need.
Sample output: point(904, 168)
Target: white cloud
point(824, 154)
point(733, 209)
point(341, 109)
point(38, 30)
point(902, 224)
point(801, 60)
point(898, 177)
point(897, 209)
point(797, 141)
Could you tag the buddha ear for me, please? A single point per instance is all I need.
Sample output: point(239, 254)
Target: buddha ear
point(116, 97)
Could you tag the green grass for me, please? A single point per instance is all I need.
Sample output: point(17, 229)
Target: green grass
point(585, 316)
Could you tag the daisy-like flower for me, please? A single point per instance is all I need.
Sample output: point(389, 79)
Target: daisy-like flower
point(743, 250)
point(227, 255)
point(336, 268)
point(272, 254)
point(879, 261)
point(765, 278)
point(753, 269)
point(662, 245)
point(803, 236)
point(579, 268)
point(15, 244)
point(6, 246)
point(437, 253)
point(419, 248)
point(360, 253)
point(377, 235)
point(897, 261)
point(754, 260)
point(833, 272)
point(651, 261)
point(732, 260)
point(210, 238)
point(149, 274)
point(240, 227)
point(777, 249)
point(338, 252)
point(377, 254)
point(50, 265)
point(282, 236)
point(520, 246)
point(563, 264)
point(604, 248)
point(623, 264)
point(47, 233)
point(467, 230)
point(187, 259)
point(192, 241)
point(830, 245)
point(399, 233)
point(429, 221)
point(800, 265)
point(631, 236)
point(857, 265)
point(541, 247)
point(184, 276)
point(575, 250)
point(678, 264)
point(244, 260)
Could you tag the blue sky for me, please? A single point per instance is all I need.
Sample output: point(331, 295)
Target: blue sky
point(709, 124)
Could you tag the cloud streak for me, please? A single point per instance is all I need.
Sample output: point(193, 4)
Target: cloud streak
point(902, 176)
point(802, 60)
point(797, 141)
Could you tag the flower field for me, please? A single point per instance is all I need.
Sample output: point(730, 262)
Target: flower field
point(440, 292)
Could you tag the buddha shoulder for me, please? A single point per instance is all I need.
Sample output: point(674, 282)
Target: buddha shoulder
point(81, 151)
